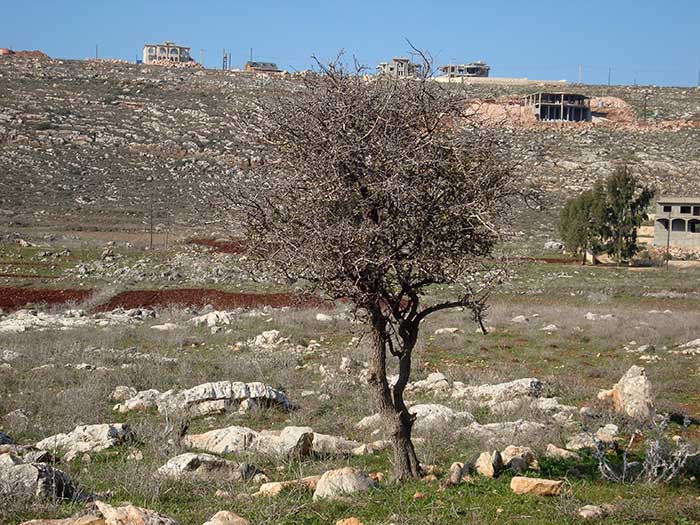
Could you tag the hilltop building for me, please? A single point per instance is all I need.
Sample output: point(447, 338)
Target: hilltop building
point(153, 53)
point(473, 69)
point(560, 106)
point(399, 67)
point(682, 214)
point(261, 67)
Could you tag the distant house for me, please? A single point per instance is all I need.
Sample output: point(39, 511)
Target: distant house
point(261, 67)
point(5, 51)
point(154, 53)
point(560, 106)
point(677, 222)
point(473, 69)
point(399, 67)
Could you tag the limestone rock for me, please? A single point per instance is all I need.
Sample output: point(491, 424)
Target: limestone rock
point(130, 514)
point(429, 417)
point(226, 517)
point(536, 486)
point(495, 434)
point(335, 484)
point(36, 480)
point(632, 395)
point(274, 488)
point(554, 452)
point(499, 396)
point(591, 512)
point(205, 467)
point(489, 464)
point(87, 438)
point(290, 441)
point(122, 393)
point(349, 521)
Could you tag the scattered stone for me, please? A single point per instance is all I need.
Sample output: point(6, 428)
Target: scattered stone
point(324, 318)
point(489, 464)
point(205, 467)
point(122, 393)
point(226, 517)
point(536, 486)
point(519, 319)
point(34, 480)
point(632, 395)
point(335, 484)
point(591, 512)
point(274, 488)
point(17, 420)
point(554, 452)
point(349, 521)
point(447, 330)
point(429, 417)
point(87, 438)
point(166, 327)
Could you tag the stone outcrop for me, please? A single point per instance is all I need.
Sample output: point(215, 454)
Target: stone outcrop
point(207, 398)
point(632, 395)
point(497, 434)
point(87, 438)
point(289, 442)
point(429, 417)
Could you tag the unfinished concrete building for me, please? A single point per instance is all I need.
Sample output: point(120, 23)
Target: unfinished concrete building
point(154, 53)
point(399, 67)
point(471, 70)
point(677, 222)
point(560, 106)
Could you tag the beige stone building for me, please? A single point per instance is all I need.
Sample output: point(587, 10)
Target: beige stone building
point(677, 222)
point(166, 51)
point(399, 67)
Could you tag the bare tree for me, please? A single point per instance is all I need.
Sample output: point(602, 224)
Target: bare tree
point(375, 190)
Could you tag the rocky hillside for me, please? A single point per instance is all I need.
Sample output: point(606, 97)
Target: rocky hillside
point(95, 144)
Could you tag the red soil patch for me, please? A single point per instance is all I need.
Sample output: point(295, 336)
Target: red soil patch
point(12, 298)
point(202, 296)
point(220, 246)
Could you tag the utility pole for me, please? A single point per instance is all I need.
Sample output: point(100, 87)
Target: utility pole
point(251, 54)
point(97, 52)
point(609, 75)
point(201, 56)
point(580, 74)
point(699, 78)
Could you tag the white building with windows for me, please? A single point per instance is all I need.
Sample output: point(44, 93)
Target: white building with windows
point(154, 53)
point(677, 222)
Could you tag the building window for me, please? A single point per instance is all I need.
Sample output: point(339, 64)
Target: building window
point(678, 225)
point(694, 226)
point(663, 223)
point(696, 210)
point(685, 209)
point(667, 209)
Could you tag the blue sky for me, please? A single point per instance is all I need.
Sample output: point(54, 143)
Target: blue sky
point(650, 41)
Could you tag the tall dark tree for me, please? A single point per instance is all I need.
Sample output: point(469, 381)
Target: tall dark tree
point(626, 202)
point(581, 223)
point(374, 190)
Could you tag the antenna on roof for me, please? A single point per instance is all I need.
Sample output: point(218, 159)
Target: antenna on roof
point(251, 54)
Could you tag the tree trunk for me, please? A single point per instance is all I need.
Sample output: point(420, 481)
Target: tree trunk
point(393, 410)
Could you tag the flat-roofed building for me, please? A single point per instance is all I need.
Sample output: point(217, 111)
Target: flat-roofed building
point(471, 70)
point(155, 53)
point(261, 67)
point(399, 67)
point(677, 222)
